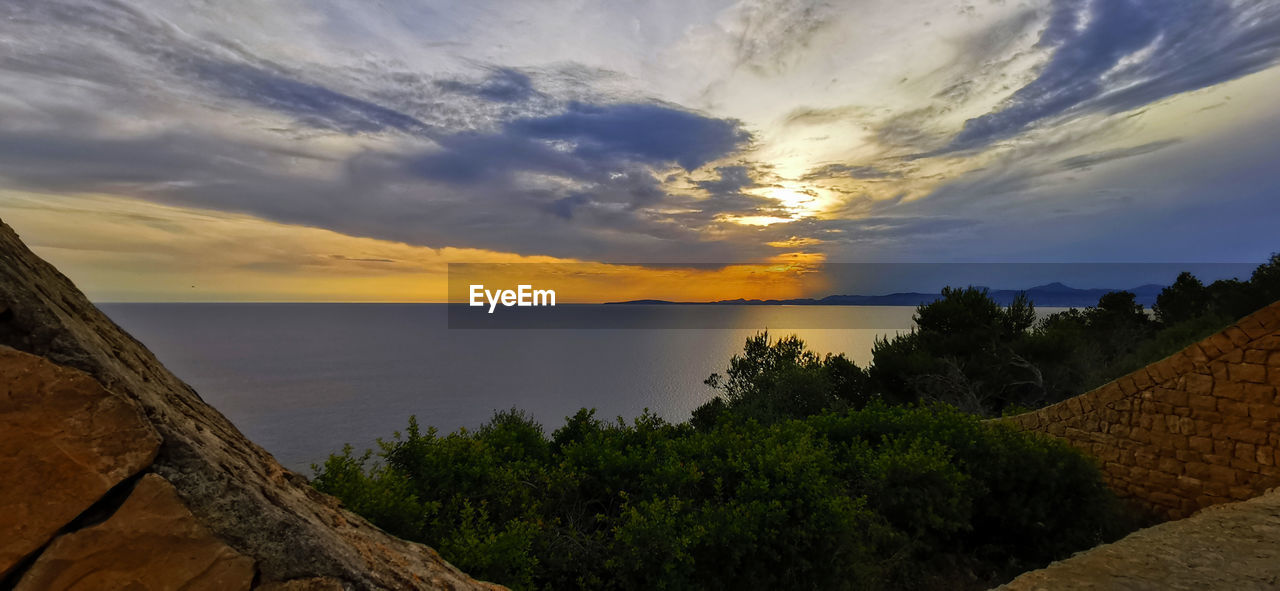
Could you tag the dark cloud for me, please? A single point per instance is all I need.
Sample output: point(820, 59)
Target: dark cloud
point(606, 153)
point(564, 206)
point(733, 179)
point(122, 49)
point(312, 104)
point(1115, 55)
point(340, 257)
point(505, 85)
point(831, 171)
point(125, 51)
point(471, 157)
point(916, 129)
point(890, 227)
point(593, 143)
point(1091, 159)
point(983, 56)
point(701, 213)
point(1025, 175)
point(647, 132)
point(54, 161)
point(883, 236)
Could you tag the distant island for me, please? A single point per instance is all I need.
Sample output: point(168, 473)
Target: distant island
point(1051, 295)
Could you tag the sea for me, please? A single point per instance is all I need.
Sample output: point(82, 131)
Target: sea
point(302, 380)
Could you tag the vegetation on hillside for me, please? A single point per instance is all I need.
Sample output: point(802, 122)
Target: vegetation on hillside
point(882, 498)
point(804, 471)
point(968, 351)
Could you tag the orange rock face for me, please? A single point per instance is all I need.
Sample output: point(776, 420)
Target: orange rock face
point(64, 442)
point(151, 543)
point(311, 584)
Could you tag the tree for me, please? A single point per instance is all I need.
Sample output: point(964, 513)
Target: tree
point(1232, 298)
point(1119, 307)
point(782, 379)
point(1266, 282)
point(965, 351)
point(1185, 300)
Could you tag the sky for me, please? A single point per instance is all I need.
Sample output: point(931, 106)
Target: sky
point(349, 150)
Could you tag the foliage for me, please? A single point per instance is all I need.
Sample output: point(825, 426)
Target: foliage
point(965, 351)
point(1185, 300)
point(969, 352)
point(776, 380)
point(883, 497)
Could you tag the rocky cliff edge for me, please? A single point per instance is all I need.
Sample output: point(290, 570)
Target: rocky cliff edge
point(117, 473)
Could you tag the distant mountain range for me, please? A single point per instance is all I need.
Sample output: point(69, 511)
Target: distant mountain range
point(1052, 295)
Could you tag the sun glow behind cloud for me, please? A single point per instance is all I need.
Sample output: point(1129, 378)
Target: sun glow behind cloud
point(133, 250)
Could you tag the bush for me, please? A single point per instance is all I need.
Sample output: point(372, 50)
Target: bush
point(1024, 498)
point(782, 379)
point(966, 350)
point(878, 498)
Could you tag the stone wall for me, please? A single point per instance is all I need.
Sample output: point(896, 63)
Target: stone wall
point(1198, 428)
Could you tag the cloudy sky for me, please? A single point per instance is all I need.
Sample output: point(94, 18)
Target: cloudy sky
point(349, 149)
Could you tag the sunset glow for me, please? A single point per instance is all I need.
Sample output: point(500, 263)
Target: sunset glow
point(353, 151)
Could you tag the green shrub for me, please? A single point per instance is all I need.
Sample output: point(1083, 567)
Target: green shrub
point(879, 498)
point(1030, 498)
point(382, 495)
point(777, 380)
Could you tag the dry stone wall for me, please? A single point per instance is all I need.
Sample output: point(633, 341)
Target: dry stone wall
point(1198, 428)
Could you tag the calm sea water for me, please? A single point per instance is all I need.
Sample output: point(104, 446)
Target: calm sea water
point(303, 379)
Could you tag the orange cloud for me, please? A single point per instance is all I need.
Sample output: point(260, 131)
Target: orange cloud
point(133, 250)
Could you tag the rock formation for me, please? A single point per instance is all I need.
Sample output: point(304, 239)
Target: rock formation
point(151, 542)
point(113, 465)
point(64, 443)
